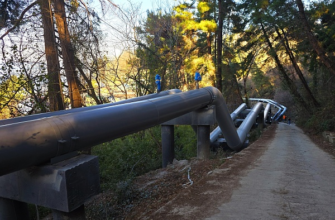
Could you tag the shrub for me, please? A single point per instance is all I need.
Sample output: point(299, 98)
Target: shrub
point(322, 120)
point(185, 142)
point(124, 158)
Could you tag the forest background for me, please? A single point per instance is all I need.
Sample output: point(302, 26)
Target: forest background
point(56, 55)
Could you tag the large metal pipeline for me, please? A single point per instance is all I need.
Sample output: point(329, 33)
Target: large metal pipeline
point(217, 131)
point(281, 109)
point(248, 122)
point(235, 139)
point(280, 112)
point(37, 141)
point(74, 110)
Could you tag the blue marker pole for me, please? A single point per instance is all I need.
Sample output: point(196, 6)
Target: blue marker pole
point(197, 78)
point(158, 82)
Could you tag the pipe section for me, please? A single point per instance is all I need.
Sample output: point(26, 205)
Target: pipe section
point(35, 142)
point(234, 139)
point(217, 131)
point(247, 123)
point(281, 109)
point(74, 110)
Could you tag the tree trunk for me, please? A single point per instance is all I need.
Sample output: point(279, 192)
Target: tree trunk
point(54, 85)
point(219, 49)
point(313, 41)
point(209, 43)
point(68, 54)
point(297, 68)
point(231, 90)
point(288, 81)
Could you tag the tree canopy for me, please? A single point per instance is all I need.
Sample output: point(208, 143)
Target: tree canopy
point(54, 53)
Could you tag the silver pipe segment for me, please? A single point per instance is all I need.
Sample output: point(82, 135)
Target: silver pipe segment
point(278, 113)
point(247, 123)
point(281, 113)
point(266, 111)
point(217, 131)
point(234, 138)
point(74, 110)
point(281, 109)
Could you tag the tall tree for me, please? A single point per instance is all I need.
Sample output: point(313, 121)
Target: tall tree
point(218, 82)
point(290, 84)
point(54, 84)
point(296, 67)
point(68, 54)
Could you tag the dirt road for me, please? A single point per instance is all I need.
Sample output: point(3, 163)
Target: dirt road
point(284, 175)
point(294, 179)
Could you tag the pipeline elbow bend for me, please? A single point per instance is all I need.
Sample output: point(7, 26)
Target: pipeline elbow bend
point(215, 94)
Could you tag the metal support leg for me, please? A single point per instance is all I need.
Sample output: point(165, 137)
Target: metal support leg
point(167, 133)
point(13, 210)
point(77, 214)
point(203, 141)
point(260, 120)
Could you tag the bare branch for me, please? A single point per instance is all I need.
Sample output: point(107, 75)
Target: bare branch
point(19, 19)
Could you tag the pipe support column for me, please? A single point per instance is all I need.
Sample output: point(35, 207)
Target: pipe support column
point(203, 142)
point(167, 133)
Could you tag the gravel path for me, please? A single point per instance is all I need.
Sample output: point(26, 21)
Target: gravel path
point(293, 179)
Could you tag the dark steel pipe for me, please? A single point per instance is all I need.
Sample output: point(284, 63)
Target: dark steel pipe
point(234, 138)
point(74, 110)
point(37, 141)
point(217, 131)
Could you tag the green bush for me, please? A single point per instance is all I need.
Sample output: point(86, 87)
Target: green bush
point(254, 134)
point(124, 158)
point(322, 120)
point(185, 142)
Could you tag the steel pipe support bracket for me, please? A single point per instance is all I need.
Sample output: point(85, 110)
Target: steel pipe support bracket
point(203, 116)
point(63, 186)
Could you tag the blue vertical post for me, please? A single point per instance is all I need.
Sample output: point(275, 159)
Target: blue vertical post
point(158, 82)
point(197, 78)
